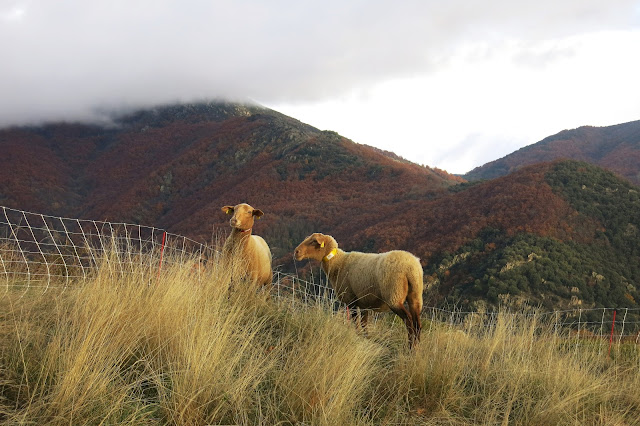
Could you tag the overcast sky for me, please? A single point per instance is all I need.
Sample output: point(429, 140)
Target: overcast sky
point(450, 84)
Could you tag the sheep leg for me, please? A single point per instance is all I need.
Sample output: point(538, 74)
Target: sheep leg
point(361, 319)
point(414, 309)
point(364, 318)
point(409, 322)
point(353, 312)
point(358, 315)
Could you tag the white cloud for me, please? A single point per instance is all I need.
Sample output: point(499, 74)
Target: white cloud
point(13, 14)
point(482, 106)
point(414, 76)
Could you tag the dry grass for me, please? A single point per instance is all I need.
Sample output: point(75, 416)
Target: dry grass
point(198, 348)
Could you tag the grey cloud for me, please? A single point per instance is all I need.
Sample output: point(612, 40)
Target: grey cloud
point(63, 59)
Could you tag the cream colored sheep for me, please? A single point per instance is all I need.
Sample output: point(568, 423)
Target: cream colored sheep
point(252, 248)
point(371, 281)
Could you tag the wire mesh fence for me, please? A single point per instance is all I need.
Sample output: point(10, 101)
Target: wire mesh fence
point(598, 324)
point(616, 324)
point(38, 250)
point(41, 251)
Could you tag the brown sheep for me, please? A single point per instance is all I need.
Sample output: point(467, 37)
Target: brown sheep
point(252, 248)
point(371, 281)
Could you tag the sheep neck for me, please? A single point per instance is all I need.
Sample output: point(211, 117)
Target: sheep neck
point(239, 233)
point(333, 263)
point(237, 238)
point(331, 254)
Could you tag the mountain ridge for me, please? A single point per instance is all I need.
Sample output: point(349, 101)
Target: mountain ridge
point(616, 148)
point(174, 168)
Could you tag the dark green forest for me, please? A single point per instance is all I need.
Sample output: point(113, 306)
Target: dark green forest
point(602, 270)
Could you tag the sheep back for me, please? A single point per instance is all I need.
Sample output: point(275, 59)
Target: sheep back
point(377, 280)
point(259, 257)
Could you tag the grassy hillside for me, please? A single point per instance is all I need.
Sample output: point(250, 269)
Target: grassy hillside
point(199, 349)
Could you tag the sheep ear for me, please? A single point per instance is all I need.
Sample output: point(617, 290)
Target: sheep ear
point(258, 213)
point(227, 209)
point(317, 240)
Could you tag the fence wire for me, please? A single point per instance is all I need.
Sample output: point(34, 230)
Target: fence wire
point(598, 324)
point(41, 251)
point(38, 250)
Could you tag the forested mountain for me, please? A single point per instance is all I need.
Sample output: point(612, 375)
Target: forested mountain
point(554, 234)
point(574, 243)
point(616, 148)
point(175, 166)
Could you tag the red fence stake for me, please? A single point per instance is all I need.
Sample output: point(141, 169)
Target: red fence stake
point(164, 236)
point(613, 323)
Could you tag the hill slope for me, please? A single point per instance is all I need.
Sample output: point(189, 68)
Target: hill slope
point(175, 166)
point(554, 234)
point(616, 148)
point(560, 235)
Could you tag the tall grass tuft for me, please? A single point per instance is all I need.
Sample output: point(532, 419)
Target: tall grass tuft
point(196, 346)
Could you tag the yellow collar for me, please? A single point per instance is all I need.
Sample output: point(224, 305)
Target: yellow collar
point(330, 255)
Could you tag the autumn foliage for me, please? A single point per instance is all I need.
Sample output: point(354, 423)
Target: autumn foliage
point(174, 167)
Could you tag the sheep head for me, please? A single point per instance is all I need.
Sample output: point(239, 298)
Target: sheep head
point(243, 216)
point(315, 246)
